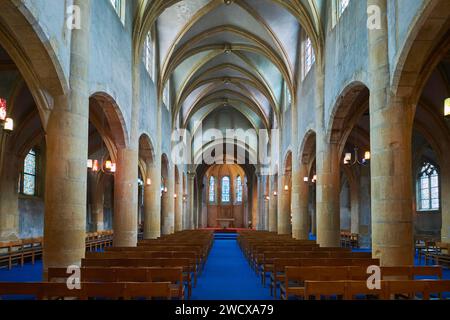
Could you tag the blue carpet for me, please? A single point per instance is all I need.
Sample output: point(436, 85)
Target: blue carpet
point(228, 276)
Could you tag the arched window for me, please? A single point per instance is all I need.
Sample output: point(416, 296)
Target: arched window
point(147, 55)
point(308, 56)
point(239, 189)
point(428, 188)
point(343, 4)
point(28, 183)
point(118, 6)
point(212, 190)
point(226, 189)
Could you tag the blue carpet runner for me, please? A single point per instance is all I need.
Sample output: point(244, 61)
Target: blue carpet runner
point(228, 276)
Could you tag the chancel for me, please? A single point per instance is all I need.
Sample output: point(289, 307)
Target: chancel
point(224, 150)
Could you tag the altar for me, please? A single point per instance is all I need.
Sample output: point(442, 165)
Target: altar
point(225, 222)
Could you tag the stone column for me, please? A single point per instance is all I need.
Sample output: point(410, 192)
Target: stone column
point(152, 201)
point(445, 201)
point(272, 206)
point(126, 198)
point(168, 213)
point(97, 200)
point(67, 152)
point(191, 181)
point(300, 214)
point(328, 208)
point(283, 206)
point(179, 203)
point(391, 121)
point(9, 209)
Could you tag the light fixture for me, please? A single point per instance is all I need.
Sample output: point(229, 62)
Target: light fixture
point(356, 160)
point(286, 188)
point(175, 195)
point(149, 182)
point(95, 166)
point(267, 198)
point(108, 165)
point(447, 108)
point(5, 122)
point(305, 179)
point(165, 189)
point(275, 193)
point(90, 163)
point(9, 124)
point(3, 109)
point(314, 179)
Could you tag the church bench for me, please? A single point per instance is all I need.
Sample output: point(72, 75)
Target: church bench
point(186, 264)
point(174, 275)
point(18, 251)
point(296, 276)
point(147, 255)
point(389, 289)
point(119, 290)
point(199, 254)
point(267, 264)
point(278, 273)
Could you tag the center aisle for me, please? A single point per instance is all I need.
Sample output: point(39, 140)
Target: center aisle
point(228, 276)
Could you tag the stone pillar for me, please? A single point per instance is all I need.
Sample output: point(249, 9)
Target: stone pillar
point(272, 205)
point(284, 217)
point(391, 121)
point(328, 187)
point(300, 214)
point(126, 198)
point(152, 202)
point(9, 209)
point(97, 200)
point(168, 213)
point(191, 181)
point(445, 201)
point(179, 203)
point(67, 152)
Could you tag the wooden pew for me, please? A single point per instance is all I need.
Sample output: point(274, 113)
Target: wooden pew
point(118, 290)
point(186, 264)
point(173, 275)
point(296, 276)
point(391, 289)
point(277, 275)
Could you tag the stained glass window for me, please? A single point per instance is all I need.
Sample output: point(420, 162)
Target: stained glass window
point(309, 56)
point(239, 189)
point(212, 190)
point(148, 53)
point(29, 174)
point(226, 189)
point(428, 188)
point(343, 4)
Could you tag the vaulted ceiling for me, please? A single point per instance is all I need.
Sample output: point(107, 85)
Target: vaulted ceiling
point(239, 54)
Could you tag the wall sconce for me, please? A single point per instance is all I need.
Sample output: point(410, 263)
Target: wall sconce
point(165, 189)
point(95, 166)
point(286, 188)
point(356, 161)
point(305, 179)
point(149, 182)
point(267, 198)
point(275, 194)
point(6, 123)
point(174, 195)
point(447, 108)
point(90, 163)
point(314, 179)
